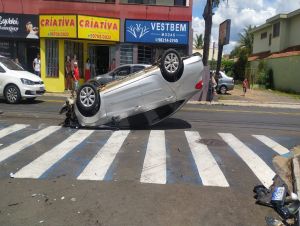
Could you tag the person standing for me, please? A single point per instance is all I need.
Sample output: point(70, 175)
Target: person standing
point(87, 72)
point(245, 86)
point(36, 64)
point(74, 59)
point(68, 74)
point(75, 78)
point(112, 66)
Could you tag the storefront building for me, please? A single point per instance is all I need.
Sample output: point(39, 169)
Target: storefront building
point(19, 38)
point(87, 37)
point(130, 31)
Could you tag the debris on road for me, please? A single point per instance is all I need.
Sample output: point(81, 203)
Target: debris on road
point(62, 198)
point(280, 195)
point(12, 175)
point(73, 199)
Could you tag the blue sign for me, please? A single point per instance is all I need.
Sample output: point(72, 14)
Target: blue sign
point(165, 32)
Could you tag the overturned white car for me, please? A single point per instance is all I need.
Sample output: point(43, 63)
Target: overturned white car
point(141, 99)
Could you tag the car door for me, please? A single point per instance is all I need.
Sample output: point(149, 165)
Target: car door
point(2, 79)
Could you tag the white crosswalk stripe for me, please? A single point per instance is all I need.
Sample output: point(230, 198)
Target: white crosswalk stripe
point(99, 165)
point(12, 129)
point(155, 168)
point(272, 144)
point(208, 169)
point(40, 165)
point(263, 172)
point(26, 142)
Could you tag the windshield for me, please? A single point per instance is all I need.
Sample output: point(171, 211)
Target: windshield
point(10, 64)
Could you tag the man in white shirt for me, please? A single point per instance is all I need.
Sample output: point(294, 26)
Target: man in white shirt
point(37, 65)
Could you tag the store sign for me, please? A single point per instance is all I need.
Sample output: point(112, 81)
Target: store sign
point(58, 26)
point(98, 28)
point(19, 26)
point(165, 32)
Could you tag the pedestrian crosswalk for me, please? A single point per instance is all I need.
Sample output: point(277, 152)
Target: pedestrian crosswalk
point(46, 149)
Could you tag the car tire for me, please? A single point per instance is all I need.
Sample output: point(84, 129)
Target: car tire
point(88, 100)
point(171, 65)
point(12, 94)
point(223, 90)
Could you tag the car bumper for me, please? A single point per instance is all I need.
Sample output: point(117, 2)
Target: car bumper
point(33, 91)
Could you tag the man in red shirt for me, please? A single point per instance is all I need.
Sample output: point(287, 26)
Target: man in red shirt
point(75, 78)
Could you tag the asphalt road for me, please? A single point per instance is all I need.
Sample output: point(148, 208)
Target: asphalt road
point(196, 168)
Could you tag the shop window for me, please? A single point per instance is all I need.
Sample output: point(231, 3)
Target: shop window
point(126, 54)
point(263, 35)
point(75, 48)
point(276, 30)
point(180, 2)
point(51, 58)
point(144, 55)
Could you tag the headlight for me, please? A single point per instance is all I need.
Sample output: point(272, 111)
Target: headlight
point(27, 81)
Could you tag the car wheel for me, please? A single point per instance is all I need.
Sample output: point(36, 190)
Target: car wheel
point(171, 65)
point(12, 94)
point(223, 89)
point(88, 100)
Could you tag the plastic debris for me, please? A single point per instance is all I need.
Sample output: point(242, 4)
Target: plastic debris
point(12, 175)
point(73, 199)
point(33, 195)
point(62, 198)
point(273, 222)
point(41, 222)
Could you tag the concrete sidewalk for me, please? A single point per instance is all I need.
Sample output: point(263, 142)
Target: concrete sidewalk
point(253, 97)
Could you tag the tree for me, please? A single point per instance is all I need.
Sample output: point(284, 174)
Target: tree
point(198, 41)
point(207, 15)
point(246, 39)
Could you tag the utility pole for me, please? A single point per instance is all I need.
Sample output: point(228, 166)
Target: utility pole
point(207, 15)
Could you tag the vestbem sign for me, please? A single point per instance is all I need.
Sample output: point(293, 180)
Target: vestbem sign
point(165, 32)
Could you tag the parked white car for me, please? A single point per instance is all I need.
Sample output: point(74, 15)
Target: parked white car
point(140, 99)
point(16, 83)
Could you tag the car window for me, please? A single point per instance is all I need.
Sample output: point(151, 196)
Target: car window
point(137, 68)
point(10, 64)
point(2, 70)
point(122, 71)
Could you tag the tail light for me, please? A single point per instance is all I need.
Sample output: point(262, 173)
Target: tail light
point(199, 85)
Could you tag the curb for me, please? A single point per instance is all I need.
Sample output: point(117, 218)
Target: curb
point(249, 104)
point(296, 175)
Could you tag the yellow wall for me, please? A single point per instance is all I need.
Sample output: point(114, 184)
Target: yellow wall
point(53, 84)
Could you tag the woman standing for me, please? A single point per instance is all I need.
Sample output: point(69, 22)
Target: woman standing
point(87, 73)
point(68, 74)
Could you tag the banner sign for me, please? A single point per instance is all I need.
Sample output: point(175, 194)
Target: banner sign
point(58, 26)
point(19, 26)
point(165, 32)
point(98, 28)
point(224, 32)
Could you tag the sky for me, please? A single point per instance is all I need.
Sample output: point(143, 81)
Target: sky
point(242, 13)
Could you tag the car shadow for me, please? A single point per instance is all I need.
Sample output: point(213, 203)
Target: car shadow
point(171, 123)
point(28, 102)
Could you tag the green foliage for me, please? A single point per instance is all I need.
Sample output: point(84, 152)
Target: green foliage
point(198, 41)
point(269, 79)
point(227, 66)
point(261, 73)
point(240, 65)
point(246, 39)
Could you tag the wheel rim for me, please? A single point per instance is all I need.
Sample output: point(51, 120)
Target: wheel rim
point(171, 62)
point(87, 96)
point(12, 94)
point(223, 89)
